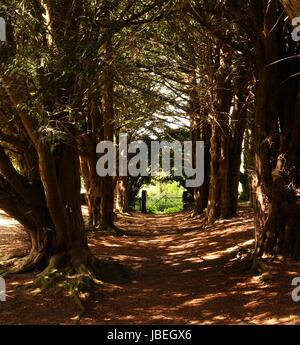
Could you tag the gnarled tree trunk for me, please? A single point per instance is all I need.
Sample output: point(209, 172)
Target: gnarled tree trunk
point(277, 141)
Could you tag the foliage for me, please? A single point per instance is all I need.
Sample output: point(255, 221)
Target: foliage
point(163, 197)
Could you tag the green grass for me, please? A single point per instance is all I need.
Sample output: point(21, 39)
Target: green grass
point(164, 198)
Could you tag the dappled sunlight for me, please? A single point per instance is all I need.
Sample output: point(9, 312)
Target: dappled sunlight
point(193, 260)
point(13, 237)
point(126, 258)
point(183, 279)
point(108, 244)
point(212, 256)
point(7, 221)
point(240, 245)
point(177, 275)
point(199, 301)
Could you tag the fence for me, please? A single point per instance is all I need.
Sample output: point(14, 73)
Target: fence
point(159, 204)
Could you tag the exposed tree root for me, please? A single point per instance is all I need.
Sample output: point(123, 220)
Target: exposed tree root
point(248, 262)
point(123, 213)
point(11, 259)
point(77, 274)
point(14, 255)
point(196, 215)
point(25, 264)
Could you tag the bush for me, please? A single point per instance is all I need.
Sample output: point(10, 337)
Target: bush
point(164, 197)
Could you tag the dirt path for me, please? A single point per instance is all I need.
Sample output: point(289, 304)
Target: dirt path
point(178, 276)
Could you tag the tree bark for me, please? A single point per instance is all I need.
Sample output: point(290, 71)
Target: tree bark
point(277, 142)
point(218, 203)
point(55, 221)
point(122, 194)
point(92, 181)
point(238, 126)
point(107, 182)
point(199, 131)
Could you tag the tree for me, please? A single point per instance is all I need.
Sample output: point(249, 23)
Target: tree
point(276, 136)
point(46, 71)
point(48, 203)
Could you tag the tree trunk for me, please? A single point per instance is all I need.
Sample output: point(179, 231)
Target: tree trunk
point(64, 242)
point(57, 209)
point(238, 126)
point(200, 131)
point(54, 222)
point(277, 142)
point(122, 194)
point(249, 161)
point(218, 202)
point(107, 183)
point(227, 137)
point(92, 181)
